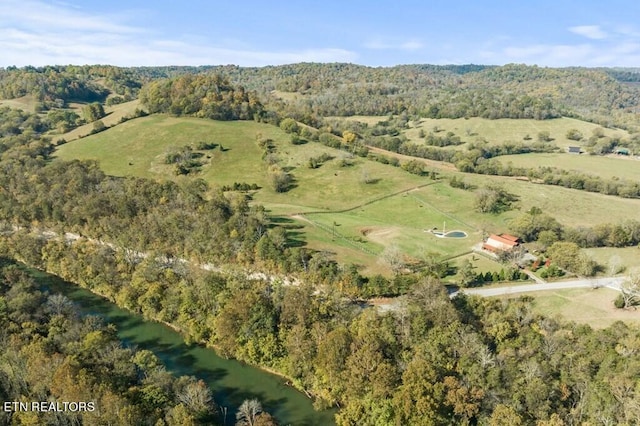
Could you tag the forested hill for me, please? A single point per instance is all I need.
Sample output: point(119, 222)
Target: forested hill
point(311, 89)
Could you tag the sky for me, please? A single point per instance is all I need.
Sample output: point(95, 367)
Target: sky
point(558, 33)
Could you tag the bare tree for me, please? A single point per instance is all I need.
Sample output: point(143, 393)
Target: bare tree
point(197, 397)
point(248, 412)
point(392, 257)
point(630, 290)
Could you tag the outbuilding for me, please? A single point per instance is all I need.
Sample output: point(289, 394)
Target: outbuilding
point(503, 242)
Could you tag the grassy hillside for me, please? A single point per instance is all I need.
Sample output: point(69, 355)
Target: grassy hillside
point(331, 207)
point(138, 147)
point(507, 130)
point(113, 116)
point(25, 103)
point(606, 167)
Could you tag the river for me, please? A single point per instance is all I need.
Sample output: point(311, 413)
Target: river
point(231, 381)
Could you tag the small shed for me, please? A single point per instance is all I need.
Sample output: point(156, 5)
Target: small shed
point(574, 150)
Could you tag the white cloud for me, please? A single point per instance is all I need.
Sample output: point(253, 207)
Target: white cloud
point(37, 33)
point(407, 45)
point(590, 31)
point(626, 54)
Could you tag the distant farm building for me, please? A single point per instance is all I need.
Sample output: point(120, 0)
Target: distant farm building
point(503, 242)
point(574, 150)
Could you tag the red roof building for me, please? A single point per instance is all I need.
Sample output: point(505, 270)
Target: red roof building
point(502, 242)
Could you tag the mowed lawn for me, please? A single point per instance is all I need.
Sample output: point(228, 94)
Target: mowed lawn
point(606, 167)
point(593, 307)
point(505, 129)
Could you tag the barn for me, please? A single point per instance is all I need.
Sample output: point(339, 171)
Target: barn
point(503, 242)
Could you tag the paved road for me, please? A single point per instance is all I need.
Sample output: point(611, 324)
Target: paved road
point(609, 282)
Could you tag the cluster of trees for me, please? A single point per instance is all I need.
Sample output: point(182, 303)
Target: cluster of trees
point(52, 353)
point(534, 225)
point(93, 111)
point(449, 139)
point(468, 277)
point(315, 162)
point(184, 159)
point(494, 199)
point(568, 256)
point(190, 221)
point(241, 186)
point(208, 96)
point(14, 122)
point(279, 179)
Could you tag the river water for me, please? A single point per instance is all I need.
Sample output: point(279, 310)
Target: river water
point(231, 381)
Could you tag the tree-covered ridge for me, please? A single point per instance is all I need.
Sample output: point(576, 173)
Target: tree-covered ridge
point(208, 96)
point(510, 91)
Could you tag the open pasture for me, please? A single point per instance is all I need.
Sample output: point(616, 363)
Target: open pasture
point(113, 116)
point(569, 206)
point(342, 213)
point(625, 259)
point(506, 130)
point(26, 103)
point(605, 167)
point(402, 221)
point(593, 307)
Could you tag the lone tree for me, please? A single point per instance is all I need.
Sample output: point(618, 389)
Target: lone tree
point(248, 412)
point(629, 292)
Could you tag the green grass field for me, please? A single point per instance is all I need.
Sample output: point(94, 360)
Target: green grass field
point(584, 306)
point(138, 148)
point(394, 210)
point(25, 103)
point(504, 129)
point(568, 206)
point(628, 258)
point(113, 115)
point(606, 167)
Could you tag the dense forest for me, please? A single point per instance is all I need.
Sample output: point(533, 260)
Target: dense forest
point(510, 91)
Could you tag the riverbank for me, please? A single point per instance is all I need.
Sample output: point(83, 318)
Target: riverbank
point(231, 381)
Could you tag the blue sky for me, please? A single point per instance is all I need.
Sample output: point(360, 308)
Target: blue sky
point(375, 33)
